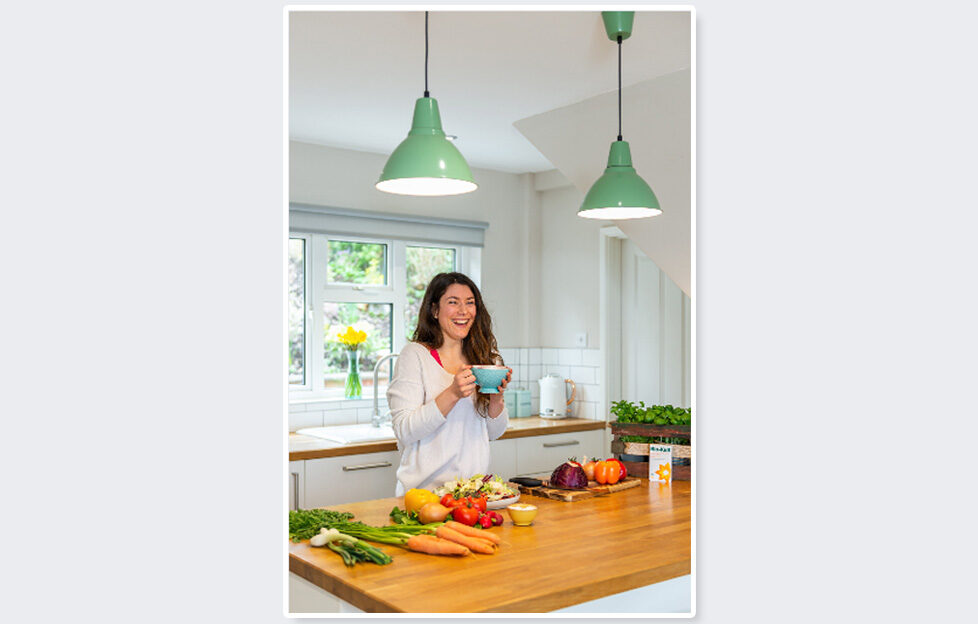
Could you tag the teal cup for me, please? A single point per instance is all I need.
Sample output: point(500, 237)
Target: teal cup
point(489, 377)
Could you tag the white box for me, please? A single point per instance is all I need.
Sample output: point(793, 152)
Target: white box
point(660, 463)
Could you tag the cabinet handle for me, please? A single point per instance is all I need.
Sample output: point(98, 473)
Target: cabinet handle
point(295, 491)
point(384, 464)
point(553, 444)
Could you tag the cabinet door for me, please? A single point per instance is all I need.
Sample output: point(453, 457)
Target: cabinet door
point(350, 478)
point(541, 454)
point(502, 458)
point(296, 484)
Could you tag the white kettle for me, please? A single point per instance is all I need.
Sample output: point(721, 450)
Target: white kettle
point(553, 396)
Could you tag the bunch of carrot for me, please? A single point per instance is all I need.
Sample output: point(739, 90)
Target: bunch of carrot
point(455, 538)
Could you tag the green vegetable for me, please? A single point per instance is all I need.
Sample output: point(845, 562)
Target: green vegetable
point(628, 412)
point(350, 548)
point(399, 516)
point(305, 523)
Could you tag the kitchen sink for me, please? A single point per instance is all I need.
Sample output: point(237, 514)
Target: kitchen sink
point(350, 434)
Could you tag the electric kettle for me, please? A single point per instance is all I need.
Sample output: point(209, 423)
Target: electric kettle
point(553, 396)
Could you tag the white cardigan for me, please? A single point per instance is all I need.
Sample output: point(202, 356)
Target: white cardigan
point(436, 448)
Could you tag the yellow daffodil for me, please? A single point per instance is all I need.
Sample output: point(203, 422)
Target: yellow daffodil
point(352, 338)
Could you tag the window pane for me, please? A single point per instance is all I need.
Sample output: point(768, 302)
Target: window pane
point(423, 263)
point(297, 307)
point(357, 263)
point(376, 319)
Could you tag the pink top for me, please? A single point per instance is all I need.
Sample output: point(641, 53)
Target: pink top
point(434, 354)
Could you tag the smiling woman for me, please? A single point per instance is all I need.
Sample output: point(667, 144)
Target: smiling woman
point(443, 426)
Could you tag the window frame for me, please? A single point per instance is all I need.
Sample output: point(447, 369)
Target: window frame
point(318, 292)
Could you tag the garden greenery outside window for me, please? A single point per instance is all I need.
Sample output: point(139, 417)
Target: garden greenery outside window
point(371, 284)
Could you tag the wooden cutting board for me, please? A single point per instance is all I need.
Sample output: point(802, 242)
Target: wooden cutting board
point(569, 496)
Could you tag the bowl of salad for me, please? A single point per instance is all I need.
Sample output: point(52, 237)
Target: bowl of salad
point(498, 493)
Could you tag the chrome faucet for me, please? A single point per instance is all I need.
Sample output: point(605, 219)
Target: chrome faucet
point(377, 420)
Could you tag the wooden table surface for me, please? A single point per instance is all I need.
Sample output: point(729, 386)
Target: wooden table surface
point(573, 553)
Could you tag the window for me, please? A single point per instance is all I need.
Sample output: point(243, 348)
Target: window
point(340, 281)
point(297, 314)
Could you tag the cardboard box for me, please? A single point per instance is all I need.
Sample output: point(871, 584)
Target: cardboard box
point(660, 463)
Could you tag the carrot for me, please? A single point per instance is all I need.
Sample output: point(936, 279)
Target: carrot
point(476, 544)
point(465, 529)
point(432, 545)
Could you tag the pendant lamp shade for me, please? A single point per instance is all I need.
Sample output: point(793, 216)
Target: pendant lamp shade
point(619, 193)
point(426, 163)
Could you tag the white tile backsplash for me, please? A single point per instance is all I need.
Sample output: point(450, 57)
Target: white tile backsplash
point(301, 420)
point(569, 357)
point(347, 416)
point(528, 363)
point(591, 357)
point(582, 374)
point(586, 410)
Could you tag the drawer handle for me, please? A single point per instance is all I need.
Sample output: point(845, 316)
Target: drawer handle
point(553, 444)
point(295, 491)
point(384, 464)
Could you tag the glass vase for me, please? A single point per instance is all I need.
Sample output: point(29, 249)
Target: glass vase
point(353, 388)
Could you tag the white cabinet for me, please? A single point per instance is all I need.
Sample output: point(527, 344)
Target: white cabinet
point(541, 454)
point(502, 458)
point(350, 478)
point(297, 484)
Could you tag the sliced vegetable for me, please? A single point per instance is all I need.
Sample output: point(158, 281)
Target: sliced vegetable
point(569, 476)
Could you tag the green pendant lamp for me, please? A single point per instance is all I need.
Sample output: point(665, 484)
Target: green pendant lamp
point(426, 163)
point(619, 193)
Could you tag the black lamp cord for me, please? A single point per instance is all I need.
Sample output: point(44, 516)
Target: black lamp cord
point(619, 87)
point(426, 54)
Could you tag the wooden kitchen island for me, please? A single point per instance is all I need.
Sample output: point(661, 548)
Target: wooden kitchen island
point(573, 553)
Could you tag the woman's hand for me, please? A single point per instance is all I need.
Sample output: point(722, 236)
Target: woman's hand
point(496, 401)
point(463, 384)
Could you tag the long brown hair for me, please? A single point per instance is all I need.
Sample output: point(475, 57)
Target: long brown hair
point(478, 347)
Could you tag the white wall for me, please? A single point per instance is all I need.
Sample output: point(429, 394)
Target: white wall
point(656, 122)
point(569, 275)
point(344, 178)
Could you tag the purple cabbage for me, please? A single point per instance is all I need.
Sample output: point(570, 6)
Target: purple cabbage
point(569, 477)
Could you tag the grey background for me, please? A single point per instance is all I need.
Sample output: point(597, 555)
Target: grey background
point(143, 395)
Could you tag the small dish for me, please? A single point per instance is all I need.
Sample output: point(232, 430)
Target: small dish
point(522, 514)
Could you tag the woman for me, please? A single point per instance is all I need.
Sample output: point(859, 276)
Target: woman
point(443, 426)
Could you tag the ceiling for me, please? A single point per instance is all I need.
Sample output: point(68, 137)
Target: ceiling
point(354, 76)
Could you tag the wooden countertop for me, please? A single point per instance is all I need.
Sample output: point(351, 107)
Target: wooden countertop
point(573, 553)
point(306, 447)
